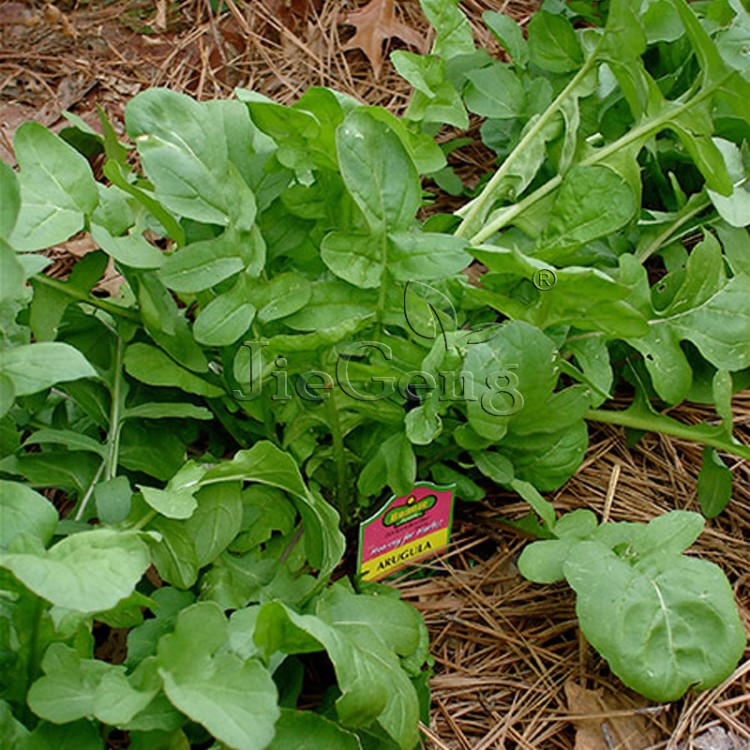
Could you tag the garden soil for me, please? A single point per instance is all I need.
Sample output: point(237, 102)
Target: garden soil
point(511, 668)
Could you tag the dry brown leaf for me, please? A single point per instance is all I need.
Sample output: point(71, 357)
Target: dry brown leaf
point(375, 23)
point(292, 13)
point(607, 722)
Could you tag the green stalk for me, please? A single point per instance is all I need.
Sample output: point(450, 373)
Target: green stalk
point(77, 294)
point(644, 131)
point(113, 438)
point(479, 205)
point(669, 232)
point(32, 668)
point(89, 492)
point(667, 426)
point(146, 518)
point(341, 491)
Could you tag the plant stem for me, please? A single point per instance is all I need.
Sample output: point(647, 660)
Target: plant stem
point(646, 130)
point(666, 426)
point(481, 203)
point(146, 518)
point(32, 668)
point(60, 286)
point(341, 491)
point(89, 492)
point(653, 246)
point(113, 438)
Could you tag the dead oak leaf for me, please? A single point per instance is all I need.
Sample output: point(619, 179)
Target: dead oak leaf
point(376, 23)
point(605, 721)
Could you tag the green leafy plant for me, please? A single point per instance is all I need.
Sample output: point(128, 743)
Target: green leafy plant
point(293, 341)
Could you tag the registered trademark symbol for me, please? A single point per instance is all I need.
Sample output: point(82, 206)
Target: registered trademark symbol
point(544, 279)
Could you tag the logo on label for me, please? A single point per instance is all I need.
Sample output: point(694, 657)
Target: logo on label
point(410, 511)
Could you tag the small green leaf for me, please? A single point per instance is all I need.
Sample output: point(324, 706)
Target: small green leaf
point(553, 44)
point(543, 561)
point(544, 509)
point(226, 318)
point(11, 205)
point(734, 208)
point(131, 250)
point(453, 34)
point(75, 688)
point(7, 394)
point(285, 294)
point(152, 366)
point(495, 92)
point(495, 466)
point(202, 265)
point(714, 484)
point(170, 503)
point(113, 500)
point(167, 410)
point(73, 440)
point(509, 34)
point(23, 511)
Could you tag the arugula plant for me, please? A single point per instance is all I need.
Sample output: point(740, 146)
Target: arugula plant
point(293, 340)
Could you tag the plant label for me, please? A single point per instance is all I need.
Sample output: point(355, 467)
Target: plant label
point(406, 529)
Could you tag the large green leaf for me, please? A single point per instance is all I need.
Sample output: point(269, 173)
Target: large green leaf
point(495, 92)
point(187, 158)
point(130, 250)
point(553, 44)
point(593, 201)
point(57, 189)
point(453, 34)
point(216, 521)
point(235, 700)
point(378, 172)
point(35, 367)
point(657, 620)
point(584, 297)
point(87, 572)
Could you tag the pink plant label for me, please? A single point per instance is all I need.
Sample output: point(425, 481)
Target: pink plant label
point(406, 529)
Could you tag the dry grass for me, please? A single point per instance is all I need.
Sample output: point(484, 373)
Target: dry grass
point(504, 649)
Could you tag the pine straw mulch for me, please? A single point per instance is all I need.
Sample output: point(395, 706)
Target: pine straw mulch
point(511, 669)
